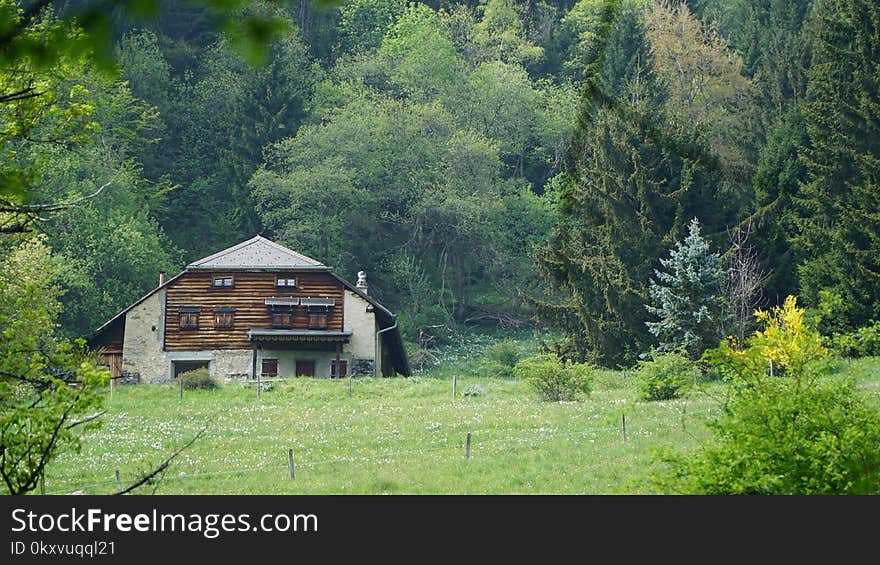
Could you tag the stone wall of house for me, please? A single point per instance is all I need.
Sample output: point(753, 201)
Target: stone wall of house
point(142, 343)
point(232, 365)
point(361, 322)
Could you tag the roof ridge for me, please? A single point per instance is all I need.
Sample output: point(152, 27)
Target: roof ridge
point(215, 257)
point(226, 251)
point(291, 251)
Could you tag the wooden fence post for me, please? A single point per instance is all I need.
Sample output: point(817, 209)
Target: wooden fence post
point(623, 426)
point(290, 463)
point(180, 380)
point(684, 410)
point(118, 480)
point(467, 448)
point(454, 383)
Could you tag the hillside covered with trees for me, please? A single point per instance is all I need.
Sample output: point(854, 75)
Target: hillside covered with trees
point(481, 161)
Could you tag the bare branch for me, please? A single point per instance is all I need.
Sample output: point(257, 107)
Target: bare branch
point(86, 420)
point(162, 466)
point(23, 94)
point(32, 208)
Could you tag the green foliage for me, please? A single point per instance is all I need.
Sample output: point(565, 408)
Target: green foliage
point(864, 342)
point(646, 157)
point(783, 437)
point(501, 35)
point(686, 297)
point(40, 107)
point(48, 386)
point(504, 352)
point(420, 55)
point(363, 23)
point(665, 376)
point(838, 240)
point(197, 379)
point(500, 358)
point(798, 433)
point(554, 380)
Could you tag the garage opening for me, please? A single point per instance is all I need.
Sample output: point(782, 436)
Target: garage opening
point(186, 366)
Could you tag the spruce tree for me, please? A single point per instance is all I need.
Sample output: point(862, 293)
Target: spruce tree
point(839, 205)
point(637, 172)
point(686, 297)
point(601, 250)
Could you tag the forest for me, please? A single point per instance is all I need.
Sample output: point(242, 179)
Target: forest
point(457, 152)
point(634, 175)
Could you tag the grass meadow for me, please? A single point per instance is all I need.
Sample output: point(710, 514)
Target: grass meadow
point(395, 436)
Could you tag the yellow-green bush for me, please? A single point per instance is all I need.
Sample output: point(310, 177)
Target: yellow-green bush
point(798, 432)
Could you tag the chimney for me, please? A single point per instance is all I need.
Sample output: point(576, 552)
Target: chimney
point(362, 282)
point(161, 278)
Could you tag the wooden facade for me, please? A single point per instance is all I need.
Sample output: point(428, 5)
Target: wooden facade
point(245, 303)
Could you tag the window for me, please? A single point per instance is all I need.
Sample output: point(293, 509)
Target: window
point(318, 316)
point(305, 368)
point(282, 319)
point(285, 281)
point(189, 317)
point(220, 282)
point(270, 368)
point(318, 321)
point(224, 318)
point(343, 368)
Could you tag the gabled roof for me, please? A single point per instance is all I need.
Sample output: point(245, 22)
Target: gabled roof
point(257, 253)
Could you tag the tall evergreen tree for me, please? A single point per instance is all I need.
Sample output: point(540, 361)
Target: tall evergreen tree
point(839, 208)
point(686, 297)
point(605, 240)
point(646, 157)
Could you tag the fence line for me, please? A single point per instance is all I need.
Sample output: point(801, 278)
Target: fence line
point(540, 435)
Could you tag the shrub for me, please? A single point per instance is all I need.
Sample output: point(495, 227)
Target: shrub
point(197, 379)
point(499, 359)
point(472, 390)
point(785, 438)
point(788, 341)
point(553, 379)
point(422, 359)
point(864, 342)
point(664, 377)
point(504, 352)
point(795, 433)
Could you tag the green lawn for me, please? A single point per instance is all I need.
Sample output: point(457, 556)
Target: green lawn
point(392, 436)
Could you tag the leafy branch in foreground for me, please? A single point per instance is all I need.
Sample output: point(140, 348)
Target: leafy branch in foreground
point(48, 387)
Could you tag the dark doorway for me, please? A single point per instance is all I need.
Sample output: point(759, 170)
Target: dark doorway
point(343, 369)
point(305, 368)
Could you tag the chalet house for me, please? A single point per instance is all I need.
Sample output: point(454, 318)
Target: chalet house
point(256, 306)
